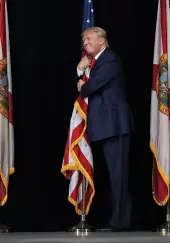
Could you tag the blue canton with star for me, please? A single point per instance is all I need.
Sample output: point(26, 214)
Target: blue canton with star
point(88, 18)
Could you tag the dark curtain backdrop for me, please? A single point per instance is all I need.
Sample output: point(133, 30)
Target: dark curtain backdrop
point(45, 49)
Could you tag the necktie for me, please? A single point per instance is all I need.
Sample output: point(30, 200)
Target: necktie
point(85, 78)
point(92, 63)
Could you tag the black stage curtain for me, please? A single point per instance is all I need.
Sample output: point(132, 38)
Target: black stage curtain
point(45, 49)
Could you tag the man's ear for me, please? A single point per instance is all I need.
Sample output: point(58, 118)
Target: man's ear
point(101, 41)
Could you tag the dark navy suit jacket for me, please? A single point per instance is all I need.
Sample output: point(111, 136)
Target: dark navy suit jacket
point(108, 111)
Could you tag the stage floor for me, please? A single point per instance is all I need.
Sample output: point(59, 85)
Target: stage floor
point(63, 237)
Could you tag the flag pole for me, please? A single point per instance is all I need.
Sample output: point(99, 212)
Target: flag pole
point(83, 228)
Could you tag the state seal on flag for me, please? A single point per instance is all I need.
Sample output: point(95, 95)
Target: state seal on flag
point(162, 84)
point(3, 88)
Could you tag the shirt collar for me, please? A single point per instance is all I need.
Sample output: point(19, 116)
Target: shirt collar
point(97, 56)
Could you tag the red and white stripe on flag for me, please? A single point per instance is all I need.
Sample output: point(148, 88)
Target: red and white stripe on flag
point(78, 159)
point(159, 123)
point(6, 118)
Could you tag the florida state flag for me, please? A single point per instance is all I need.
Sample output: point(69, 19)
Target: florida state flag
point(160, 125)
point(6, 121)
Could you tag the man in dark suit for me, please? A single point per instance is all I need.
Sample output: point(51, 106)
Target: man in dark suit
point(109, 120)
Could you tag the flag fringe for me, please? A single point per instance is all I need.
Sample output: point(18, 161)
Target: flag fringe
point(5, 183)
point(80, 111)
point(163, 175)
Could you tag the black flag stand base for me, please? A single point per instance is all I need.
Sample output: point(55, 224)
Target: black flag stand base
point(3, 229)
point(82, 228)
point(165, 228)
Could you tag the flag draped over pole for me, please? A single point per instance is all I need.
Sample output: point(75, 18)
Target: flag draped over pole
point(160, 106)
point(6, 118)
point(78, 159)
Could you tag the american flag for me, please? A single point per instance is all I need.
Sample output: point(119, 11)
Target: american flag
point(78, 159)
point(88, 18)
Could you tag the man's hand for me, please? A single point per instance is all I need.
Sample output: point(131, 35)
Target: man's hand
point(79, 84)
point(84, 63)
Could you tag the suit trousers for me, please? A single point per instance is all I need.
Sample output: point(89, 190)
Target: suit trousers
point(112, 202)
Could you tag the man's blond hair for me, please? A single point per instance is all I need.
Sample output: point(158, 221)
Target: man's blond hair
point(99, 31)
